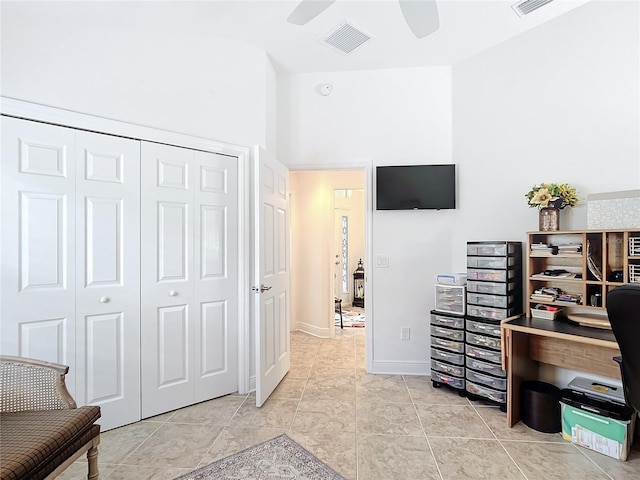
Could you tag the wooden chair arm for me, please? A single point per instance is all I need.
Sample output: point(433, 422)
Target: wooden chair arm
point(30, 384)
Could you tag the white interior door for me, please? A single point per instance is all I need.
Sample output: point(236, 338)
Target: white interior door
point(216, 256)
point(167, 273)
point(38, 243)
point(271, 273)
point(189, 277)
point(108, 276)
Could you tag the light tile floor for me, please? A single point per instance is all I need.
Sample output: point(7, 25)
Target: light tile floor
point(367, 427)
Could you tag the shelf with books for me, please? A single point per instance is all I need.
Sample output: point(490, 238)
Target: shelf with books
point(581, 266)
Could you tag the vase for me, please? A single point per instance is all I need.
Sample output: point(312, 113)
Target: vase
point(549, 219)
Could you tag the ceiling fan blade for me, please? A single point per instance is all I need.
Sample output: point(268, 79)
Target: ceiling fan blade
point(307, 10)
point(421, 16)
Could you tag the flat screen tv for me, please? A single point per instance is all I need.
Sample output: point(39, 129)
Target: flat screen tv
point(415, 187)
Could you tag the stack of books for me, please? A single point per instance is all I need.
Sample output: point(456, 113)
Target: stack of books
point(571, 249)
point(552, 294)
point(542, 248)
point(545, 294)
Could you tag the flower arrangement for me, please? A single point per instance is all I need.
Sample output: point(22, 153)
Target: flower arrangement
point(557, 195)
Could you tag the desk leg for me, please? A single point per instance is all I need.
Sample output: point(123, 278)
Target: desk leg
point(520, 367)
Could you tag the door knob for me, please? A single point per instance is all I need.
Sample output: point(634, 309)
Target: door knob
point(173, 293)
point(104, 299)
point(261, 289)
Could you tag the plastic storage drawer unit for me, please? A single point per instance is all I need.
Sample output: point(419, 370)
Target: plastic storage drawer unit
point(448, 333)
point(490, 312)
point(492, 288)
point(492, 329)
point(456, 370)
point(487, 248)
point(450, 299)
point(490, 300)
point(452, 346)
point(490, 275)
point(447, 379)
point(491, 394)
point(444, 321)
point(454, 358)
point(487, 380)
point(483, 341)
point(486, 367)
point(490, 262)
point(483, 354)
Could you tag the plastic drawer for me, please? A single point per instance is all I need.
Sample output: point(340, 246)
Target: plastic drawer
point(483, 341)
point(495, 249)
point(486, 367)
point(486, 380)
point(490, 300)
point(455, 358)
point(490, 275)
point(491, 262)
point(500, 397)
point(444, 321)
point(450, 299)
point(448, 379)
point(493, 288)
point(448, 333)
point(455, 370)
point(490, 312)
point(483, 328)
point(482, 354)
point(453, 307)
point(452, 346)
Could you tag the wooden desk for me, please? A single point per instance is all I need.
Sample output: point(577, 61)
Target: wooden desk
point(527, 342)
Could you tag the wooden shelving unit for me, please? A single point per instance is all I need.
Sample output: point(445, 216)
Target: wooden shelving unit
point(606, 259)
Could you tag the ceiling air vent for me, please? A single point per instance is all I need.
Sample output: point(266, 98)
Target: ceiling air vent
point(528, 6)
point(346, 38)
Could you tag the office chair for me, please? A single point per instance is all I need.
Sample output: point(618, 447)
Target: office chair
point(623, 308)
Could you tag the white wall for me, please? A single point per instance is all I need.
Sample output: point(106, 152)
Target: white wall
point(382, 117)
point(214, 88)
point(312, 246)
point(558, 103)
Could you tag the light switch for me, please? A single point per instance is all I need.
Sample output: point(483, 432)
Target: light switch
point(382, 261)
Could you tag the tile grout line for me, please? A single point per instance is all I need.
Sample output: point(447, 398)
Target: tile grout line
point(424, 432)
point(499, 442)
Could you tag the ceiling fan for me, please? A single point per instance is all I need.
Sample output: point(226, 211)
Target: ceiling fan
point(421, 15)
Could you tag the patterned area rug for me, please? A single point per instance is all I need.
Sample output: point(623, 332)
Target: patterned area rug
point(350, 318)
point(277, 459)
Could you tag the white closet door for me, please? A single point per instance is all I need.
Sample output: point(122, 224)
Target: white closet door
point(167, 278)
point(38, 242)
point(189, 277)
point(216, 284)
point(108, 276)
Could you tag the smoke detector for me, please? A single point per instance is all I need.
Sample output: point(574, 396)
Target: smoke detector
point(345, 38)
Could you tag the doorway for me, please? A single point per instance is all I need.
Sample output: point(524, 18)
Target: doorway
point(349, 248)
point(313, 245)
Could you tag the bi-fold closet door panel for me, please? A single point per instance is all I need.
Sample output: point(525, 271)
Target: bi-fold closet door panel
point(38, 243)
point(189, 277)
point(70, 268)
point(108, 276)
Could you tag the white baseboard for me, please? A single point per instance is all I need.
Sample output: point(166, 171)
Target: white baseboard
point(314, 330)
point(252, 383)
point(401, 368)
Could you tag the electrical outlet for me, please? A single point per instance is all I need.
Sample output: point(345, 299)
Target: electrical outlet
point(405, 333)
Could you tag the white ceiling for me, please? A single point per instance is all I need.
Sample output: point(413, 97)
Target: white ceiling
point(466, 28)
